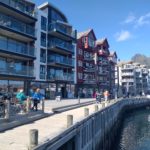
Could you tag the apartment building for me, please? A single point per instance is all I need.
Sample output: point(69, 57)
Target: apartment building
point(102, 49)
point(133, 78)
point(56, 44)
point(85, 64)
point(17, 44)
point(113, 88)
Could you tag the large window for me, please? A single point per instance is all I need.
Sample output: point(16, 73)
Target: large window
point(56, 16)
point(43, 23)
point(43, 39)
point(43, 55)
point(42, 71)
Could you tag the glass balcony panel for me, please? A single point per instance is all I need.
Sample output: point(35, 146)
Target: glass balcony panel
point(16, 25)
point(21, 6)
point(67, 30)
point(61, 60)
point(16, 47)
point(16, 69)
point(60, 43)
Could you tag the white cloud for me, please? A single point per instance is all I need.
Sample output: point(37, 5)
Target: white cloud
point(143, 20)
point(123, 36)
point(130, 19)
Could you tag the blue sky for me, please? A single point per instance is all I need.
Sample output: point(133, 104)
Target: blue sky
point(126, 24)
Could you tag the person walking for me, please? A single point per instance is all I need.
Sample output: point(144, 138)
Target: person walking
point(21, 97)
point(106, 94)
point(36, 97)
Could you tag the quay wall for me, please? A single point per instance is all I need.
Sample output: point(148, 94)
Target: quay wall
point(98, 130)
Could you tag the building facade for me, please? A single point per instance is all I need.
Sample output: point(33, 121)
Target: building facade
point(85, 64)
point(133, 78)
point(17, 44)
point(56, 43)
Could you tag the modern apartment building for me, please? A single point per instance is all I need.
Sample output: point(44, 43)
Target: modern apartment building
point(85, 64)
point(17, 44)
point(56, 44)
point(133, 78)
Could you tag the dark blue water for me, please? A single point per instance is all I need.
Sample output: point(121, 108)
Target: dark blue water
point(135, 134)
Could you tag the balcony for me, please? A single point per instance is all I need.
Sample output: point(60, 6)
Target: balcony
point(16, 48)
point(127, 80)
point(12, 70)
point(65, 77)
point(22, 8)
point(89, 81)
point(60, 46)
point(89, 69)
point(19, 27)
point(88, 58)
point(127, 74)
point(60, 61)
point(62, 30)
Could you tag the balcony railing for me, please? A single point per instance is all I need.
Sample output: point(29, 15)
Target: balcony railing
point(128, 74)
point(127, 80)
point(8, 69)
point(89, 58)
point(43, 59)
point(16, 25)
point(64, 77)
point(23, 7)
point(16, 47)
point(64, 29)
point(61, 44)
point(61, 60)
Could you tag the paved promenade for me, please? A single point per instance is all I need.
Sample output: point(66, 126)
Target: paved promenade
point(49, 127)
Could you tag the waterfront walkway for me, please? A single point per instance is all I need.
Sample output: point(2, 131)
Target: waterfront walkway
point(49, 127)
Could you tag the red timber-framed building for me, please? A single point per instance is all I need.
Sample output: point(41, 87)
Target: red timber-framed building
point(102, 48)
point(85, 65)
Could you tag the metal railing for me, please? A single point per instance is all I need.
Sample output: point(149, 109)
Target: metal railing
point(16, 47)
point(62, 28)
point(23, 7)
point(12, 69)
point(16, 25)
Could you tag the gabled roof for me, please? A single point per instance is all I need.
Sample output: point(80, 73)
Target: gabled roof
point(113, 53)
point(102, 41)
point(85, 33)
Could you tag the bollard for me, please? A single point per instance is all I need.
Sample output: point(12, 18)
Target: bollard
point(86, 112)
point(33, 137)
point(43, 105)
point(78, 99)
point(28, 106)
point(7, 110)
point(96, 108)
point(103, 105)
point(69, 120)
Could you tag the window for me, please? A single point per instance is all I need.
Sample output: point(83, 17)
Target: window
point(80, 75)
point(43, 23)
point(43, 39)
point(43, 55)
point(80, 52)
point(42, 71)
point(80, 64)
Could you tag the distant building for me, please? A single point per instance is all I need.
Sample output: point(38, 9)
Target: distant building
point(133, 78)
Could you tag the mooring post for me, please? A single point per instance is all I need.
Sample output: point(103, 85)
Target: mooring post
point(86, 112)
point(33, 138)
point(96, 108)
point(69, 120)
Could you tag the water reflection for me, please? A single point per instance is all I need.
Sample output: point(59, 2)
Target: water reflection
point(135, 134)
